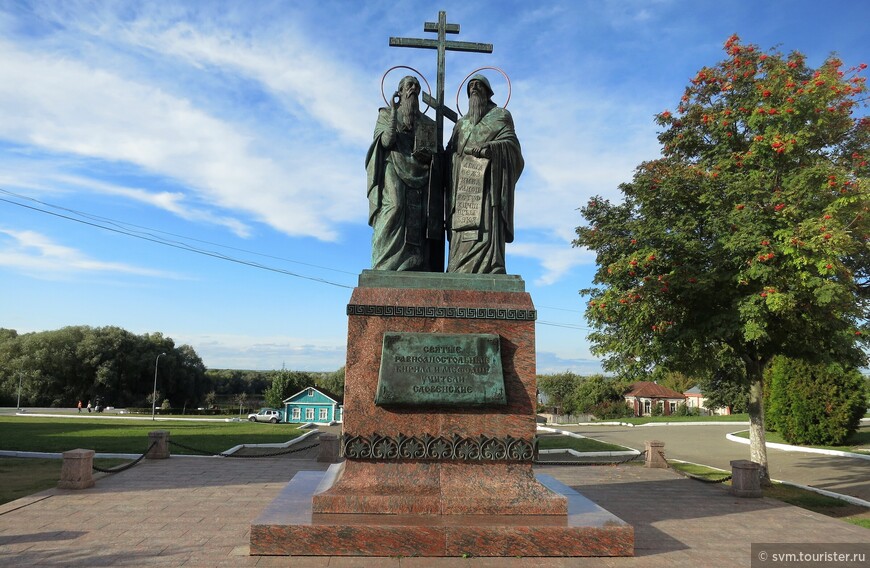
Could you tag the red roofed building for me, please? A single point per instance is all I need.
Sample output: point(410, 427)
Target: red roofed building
point(643, 396)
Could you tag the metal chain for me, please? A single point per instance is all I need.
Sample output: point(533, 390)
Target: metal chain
point(226, 455)
point(125, 467)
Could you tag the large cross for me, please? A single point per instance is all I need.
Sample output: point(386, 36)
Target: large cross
point(442, 28)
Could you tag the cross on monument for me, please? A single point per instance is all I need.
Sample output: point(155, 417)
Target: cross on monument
point(442, 28)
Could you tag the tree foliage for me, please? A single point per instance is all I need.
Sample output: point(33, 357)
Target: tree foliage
point(574, 394)
point(558, 388)
point(61, 367)
point(594, 392)
point(814, 404)
point(285, 384)
point(332, 383)
point(748, 237)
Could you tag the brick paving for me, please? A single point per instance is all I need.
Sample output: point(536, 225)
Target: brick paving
point(197, 512)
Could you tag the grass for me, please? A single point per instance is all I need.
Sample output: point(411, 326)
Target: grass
point(22, 433)
point(857, 442)
point(554, 442)
point(702, 471)
point(25, 476)
point(796, 496)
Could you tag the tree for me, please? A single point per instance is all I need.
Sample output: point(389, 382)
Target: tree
point(107, 363)
point(241, 399)
point(724, 391)
point(210, 399)
point(748, 237)
point(333, 382)
point(595, 393)
point(814, 404)
point(285, 384)
point(558, 387)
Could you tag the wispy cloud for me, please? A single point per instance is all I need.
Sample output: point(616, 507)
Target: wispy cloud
point(39, 256)
point(73, 107)
point(266, 352)
point(557, 260)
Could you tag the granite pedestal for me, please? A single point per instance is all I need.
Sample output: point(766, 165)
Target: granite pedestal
point(438, 479)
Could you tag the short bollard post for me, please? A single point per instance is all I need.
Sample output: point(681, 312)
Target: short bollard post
point(655, 454)
point(746, 479)
point(158, 442)
point(77, 470)
point(328, 448)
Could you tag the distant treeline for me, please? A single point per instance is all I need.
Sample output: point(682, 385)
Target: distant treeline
point(113, 367)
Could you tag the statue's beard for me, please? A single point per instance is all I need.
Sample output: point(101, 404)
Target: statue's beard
point(476, 106)
point(408, 109)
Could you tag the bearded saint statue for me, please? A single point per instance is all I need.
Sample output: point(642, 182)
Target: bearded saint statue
point(404, 190)
point(486, 164)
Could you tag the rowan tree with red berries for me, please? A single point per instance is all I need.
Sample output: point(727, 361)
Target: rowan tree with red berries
point(749, 237)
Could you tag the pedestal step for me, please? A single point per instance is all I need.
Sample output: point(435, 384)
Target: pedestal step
point(288, 527)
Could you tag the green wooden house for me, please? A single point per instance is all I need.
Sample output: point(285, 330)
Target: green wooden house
point(312, 405)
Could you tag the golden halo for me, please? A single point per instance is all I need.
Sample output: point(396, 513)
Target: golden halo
point(384, 76)
point(459, 90)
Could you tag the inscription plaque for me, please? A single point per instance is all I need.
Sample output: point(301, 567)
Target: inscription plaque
point(468, 208)
point(440, 369)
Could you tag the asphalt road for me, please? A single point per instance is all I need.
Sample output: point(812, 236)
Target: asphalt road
point(707, 445)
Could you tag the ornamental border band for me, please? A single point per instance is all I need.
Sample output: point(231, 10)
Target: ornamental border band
point(418, 195)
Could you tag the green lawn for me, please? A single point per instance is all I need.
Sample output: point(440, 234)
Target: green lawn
point(34, 434)
point(25, 476)
point(857, 442)
point(556, 442)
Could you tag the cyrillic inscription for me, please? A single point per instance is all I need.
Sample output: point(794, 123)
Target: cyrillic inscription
point(440, 369)
point(469, 194)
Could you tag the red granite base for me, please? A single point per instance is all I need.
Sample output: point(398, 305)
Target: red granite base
point(288, 527)
point(441, 488)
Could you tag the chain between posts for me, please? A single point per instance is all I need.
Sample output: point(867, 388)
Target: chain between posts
point(226, 455)
point(125, 467)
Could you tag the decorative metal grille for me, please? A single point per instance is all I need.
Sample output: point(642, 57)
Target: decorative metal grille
point(437, 448)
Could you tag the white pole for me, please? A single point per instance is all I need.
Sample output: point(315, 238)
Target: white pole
point(154, 393)
point(20, 376)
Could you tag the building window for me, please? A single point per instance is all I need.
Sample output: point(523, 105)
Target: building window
point(296, 413)
point(673, 407)
point(309, 414)
point(310, 392)
point(647, 407)
point(323, 414)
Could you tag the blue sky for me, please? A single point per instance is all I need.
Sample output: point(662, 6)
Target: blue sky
point(239, 129)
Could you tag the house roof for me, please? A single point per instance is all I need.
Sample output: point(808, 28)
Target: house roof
point(646, 389)
point(330, 396)
point(694, 390)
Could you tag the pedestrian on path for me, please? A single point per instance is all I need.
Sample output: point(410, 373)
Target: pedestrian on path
point(89, 407)
point(80, 407)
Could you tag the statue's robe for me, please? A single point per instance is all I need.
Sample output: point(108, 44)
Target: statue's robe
point(405, 199)
point(481, 249)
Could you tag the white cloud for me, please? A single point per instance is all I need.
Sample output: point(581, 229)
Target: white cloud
point(556, 259)
point(37, 255)
point(286, 64)
point(174, 202)
point(576, 144)
point(67, 106)
point(265, 353)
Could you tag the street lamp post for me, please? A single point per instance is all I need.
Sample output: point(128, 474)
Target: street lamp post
point(154, 393)
point(20, 376)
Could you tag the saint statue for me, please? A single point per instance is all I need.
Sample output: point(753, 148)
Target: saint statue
point(404, 188)
point(485, 166)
